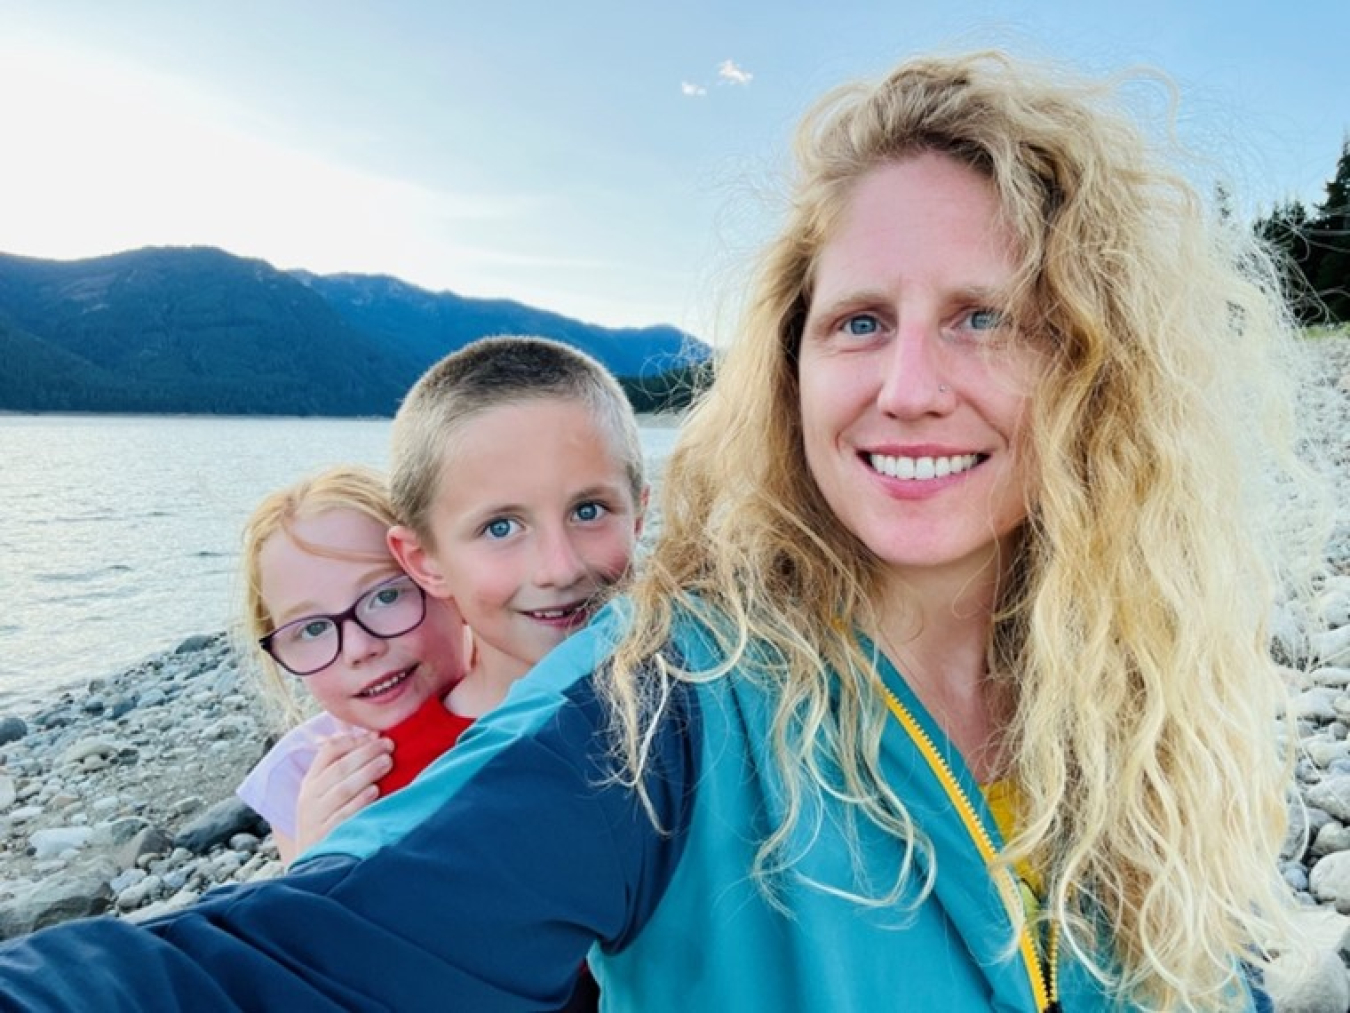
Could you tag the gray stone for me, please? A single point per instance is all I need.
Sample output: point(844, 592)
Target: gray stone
point(216, 825)
point(149, 840)
point(186, 805)
point(54, 842)
point(125, 879)
point(139, 893)
point(1308, 983)
point(194, 643)
point(1333, 795)
point(53, 900)
point(8, 794)
point(180, 900)
point(1296, 876)
point(1323, 750)
point(12, 729)
point(1316, 704)
point(1330, 880)
point(1331, 838)
point(229, 728)
point(225, 683)
point(1333, 607)
point(1288, 640)
point(1332, 647)
point(1333, 675)
point(121, 706)
point(117, 832)
point(92, 746)
point(244, 842)
point(225, 865)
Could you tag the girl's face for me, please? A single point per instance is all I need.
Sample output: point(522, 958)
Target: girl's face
point(373, 683)
point(914, 385)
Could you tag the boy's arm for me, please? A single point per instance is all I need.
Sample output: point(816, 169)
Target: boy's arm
point(481, 886)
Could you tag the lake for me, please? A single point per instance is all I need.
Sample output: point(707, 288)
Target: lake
point(119, 535)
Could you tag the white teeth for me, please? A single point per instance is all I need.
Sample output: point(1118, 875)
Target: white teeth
point(555, 613)
point(384, 686)
point(921, 468)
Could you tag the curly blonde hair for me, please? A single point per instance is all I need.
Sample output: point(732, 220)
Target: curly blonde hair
point(1133, 630)
point(341, 487)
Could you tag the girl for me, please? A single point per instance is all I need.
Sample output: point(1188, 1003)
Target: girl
point(328, 607)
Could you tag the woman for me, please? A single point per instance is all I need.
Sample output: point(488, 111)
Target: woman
point(954, 632)
point(1000, 406)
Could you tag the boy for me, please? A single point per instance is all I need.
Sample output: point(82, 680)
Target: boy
point(517, 475)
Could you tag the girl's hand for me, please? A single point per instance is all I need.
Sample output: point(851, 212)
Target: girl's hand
point(340, 782)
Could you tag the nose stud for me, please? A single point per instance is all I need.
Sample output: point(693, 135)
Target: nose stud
point(943, 388)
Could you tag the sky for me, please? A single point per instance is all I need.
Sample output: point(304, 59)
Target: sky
point(613, 160)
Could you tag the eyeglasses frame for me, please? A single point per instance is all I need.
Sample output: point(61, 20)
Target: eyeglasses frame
point(340, 620)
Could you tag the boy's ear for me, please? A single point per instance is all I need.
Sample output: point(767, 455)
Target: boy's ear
point(642, 510)
point(416, 561)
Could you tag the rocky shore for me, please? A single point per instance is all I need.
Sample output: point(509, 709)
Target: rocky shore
point(118, 798)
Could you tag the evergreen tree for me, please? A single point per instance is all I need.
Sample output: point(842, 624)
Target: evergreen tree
point(1329, 237)
point(1286, 232)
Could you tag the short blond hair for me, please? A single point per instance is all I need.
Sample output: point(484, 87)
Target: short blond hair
point(342, 487)
point(493, 373)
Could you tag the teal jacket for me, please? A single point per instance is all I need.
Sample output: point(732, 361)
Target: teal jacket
point(483, 884)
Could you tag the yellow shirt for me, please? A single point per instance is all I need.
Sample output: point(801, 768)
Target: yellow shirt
point(1004, 800)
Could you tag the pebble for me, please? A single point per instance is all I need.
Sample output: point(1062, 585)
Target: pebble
point(12, 729)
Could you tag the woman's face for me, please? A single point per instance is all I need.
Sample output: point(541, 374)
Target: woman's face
point(913, 384)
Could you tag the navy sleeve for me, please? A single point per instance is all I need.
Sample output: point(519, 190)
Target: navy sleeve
point(489, 903)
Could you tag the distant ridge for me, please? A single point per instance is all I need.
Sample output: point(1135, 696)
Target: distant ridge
point(198, 330)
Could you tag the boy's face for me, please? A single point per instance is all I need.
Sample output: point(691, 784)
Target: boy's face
point(533, 517)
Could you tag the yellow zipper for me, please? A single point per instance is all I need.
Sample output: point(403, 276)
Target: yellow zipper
point(1043, 976)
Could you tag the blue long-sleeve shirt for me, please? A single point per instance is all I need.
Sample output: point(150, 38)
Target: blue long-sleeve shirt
point(482, 885)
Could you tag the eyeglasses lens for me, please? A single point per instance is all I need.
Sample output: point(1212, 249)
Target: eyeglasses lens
point(389, 610)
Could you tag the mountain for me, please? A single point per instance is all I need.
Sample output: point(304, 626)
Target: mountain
point(427, 324)
point(199, 330)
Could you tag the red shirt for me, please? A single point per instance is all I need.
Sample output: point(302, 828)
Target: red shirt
point(419, 739)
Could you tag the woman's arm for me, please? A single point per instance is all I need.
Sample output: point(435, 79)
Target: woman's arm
point(480, 886)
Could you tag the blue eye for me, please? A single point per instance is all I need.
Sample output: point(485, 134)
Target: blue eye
point(589, 512)
point(384, 597)
point(861, 325)
point(499, 528)
point(311, 630)
point(985, 320)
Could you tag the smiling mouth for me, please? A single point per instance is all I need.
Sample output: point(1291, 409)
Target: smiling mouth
point(919, 469)
point(386, 684)
point(561, 614)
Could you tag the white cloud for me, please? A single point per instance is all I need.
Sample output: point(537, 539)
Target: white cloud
point(732, 74)
point(692, 90)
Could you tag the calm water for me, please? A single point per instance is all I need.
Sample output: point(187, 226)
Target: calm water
point(119, 535)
